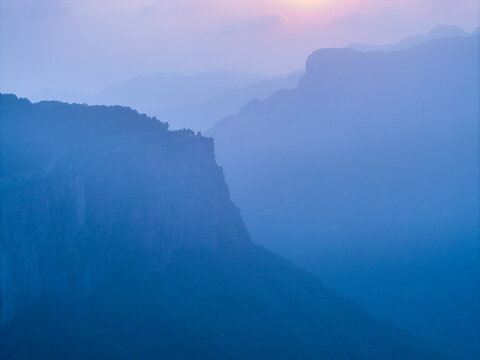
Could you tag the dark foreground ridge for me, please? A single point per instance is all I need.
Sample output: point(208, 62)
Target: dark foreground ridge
point(118, 240)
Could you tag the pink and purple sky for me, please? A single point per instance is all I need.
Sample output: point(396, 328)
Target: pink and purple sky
point(84, 45)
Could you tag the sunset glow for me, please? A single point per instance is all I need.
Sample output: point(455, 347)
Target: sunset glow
point(239, 180)
point(272, 36)
point(308, 3)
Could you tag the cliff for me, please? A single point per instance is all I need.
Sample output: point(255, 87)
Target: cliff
point(90, 203)
point(367, 173)
point(118, 240)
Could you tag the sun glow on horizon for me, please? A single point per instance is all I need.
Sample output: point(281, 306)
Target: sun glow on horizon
point(321, 9)
point(308, 3)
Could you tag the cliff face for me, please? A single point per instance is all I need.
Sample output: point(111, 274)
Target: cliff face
point(367, 173)
point(118, 240)
point(82, 216)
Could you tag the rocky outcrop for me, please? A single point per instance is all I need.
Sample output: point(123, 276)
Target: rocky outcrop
point(80, 216)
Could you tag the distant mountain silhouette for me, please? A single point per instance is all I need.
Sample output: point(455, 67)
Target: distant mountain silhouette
point(200, 117)
point(118, 240)
point(195, 101)
point(367, 173)
point(438, 32)
point(155, 92)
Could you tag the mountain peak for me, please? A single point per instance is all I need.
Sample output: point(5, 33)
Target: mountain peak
point(437, 32)
point(443, 31)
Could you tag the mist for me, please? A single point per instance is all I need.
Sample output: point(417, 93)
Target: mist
point(206, 179)
point(87, 45)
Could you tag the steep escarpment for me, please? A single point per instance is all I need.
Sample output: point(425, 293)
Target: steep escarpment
point(367, 173)
point(118, 240)
point(79, 203)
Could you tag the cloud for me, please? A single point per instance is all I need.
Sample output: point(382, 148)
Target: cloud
point(249, 25)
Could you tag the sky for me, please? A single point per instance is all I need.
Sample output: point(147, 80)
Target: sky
point(84, 45)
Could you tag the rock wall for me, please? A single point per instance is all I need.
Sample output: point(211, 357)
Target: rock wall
point(125, 207)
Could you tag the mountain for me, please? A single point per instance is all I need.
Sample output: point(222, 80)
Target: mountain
point(367, 173)
point(438, 32)
point(194, 102)
point(78, 183)
point(118, 240)
point(200, 117)
point(159, 91)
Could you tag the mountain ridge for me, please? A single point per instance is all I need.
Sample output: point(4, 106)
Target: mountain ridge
point(130, 247)
point(376, 154)
point(438, 32)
